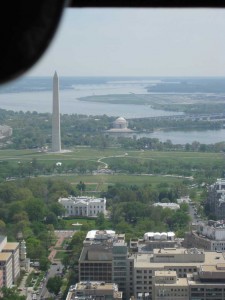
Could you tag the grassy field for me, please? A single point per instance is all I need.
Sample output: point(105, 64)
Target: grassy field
point(80, 221)
point(95, 154)
point(97, 183)
point(102, 181)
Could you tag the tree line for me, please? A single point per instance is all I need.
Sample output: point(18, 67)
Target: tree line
point(33, 130)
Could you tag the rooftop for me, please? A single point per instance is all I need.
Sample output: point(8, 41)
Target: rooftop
point(179, 282)
point(95, 285)
point(4, 256)
point(144, 261)
point(11, 246)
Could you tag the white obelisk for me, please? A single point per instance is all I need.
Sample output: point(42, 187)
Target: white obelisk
point(56, 134)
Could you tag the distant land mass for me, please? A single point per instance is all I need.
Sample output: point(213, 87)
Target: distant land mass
point(190, 85)
point(131, 97)
point(154, 84)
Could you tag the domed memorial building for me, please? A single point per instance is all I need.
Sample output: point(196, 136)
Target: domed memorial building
point(120, 125)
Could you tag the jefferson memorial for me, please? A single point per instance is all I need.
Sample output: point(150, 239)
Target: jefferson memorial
point(120, 125)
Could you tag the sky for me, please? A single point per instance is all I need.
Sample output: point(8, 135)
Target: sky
point(136, 42)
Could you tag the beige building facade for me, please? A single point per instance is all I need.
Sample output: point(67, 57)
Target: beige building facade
point(9, 261)
point(166, 285)
point(182, 261)
point(172, 273)
point(13, 248)
point(6, 266)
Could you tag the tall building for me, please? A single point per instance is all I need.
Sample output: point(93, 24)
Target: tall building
point(9, 261)
point(56, 134)
point(215, 202)
point(173, 273)
point(104, 258)
point(209, 235)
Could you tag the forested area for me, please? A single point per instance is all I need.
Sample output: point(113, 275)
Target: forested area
point(30, 207)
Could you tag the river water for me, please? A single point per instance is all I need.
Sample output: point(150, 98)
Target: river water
point(183, 137)
point(34, 96)
point(41, 101)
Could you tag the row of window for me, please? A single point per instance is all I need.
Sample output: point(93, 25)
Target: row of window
point(145, 277)
point(144, 271)
point(82, 207)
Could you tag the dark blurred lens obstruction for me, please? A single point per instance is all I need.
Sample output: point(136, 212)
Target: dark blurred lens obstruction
point(26, 30)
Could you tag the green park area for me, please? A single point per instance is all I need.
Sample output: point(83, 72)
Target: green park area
point(127, 166)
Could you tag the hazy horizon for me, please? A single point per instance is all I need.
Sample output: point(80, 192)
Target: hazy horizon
point(153, 42)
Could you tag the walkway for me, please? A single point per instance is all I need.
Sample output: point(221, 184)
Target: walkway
point(61, 236)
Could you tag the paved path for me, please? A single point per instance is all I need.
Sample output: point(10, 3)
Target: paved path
point(61, 236)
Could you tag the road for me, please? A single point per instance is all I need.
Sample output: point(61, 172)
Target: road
point(53, 270)
point(56, 266)
point(193, 213)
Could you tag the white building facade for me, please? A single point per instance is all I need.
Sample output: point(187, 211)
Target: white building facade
point(169, 205)
point(209, 235)
point(83, 206)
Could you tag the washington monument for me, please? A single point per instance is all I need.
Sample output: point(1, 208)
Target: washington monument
point(56, 134)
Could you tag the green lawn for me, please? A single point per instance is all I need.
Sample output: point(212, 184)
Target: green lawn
point(60, 255)
point(105, 180)
point(69, 223)
point(95, 154)
point(98, 183)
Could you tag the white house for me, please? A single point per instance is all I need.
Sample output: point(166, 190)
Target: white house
point(169, 205)
point(83, 206)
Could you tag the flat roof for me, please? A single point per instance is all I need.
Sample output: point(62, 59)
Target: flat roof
point(214, 268)
point(92, 233)
point(178, 251)
point(143, 261)
point(4, 256)
point(11, 246)
point(170, 251)
point(179, 282)
point(95, 286)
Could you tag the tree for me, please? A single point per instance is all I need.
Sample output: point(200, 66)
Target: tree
point(81, 186)
point(10, 294)
point(51, 218)
point(35, 209)
point(57, 208)
point(44, 263)
point(100, 221)
point(54, 284)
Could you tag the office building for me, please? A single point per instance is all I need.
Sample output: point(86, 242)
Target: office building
point(182, 261)
point(152, 240)
point(209, 235)
point(146, 272)
point(9, 261)
point(166, 285)
point(208, 283)
point(98, 290)
point(104, 258)
point(6, 266)
point(215, 203)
